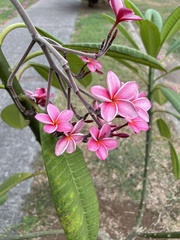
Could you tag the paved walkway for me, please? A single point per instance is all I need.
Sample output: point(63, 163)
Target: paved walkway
point(18, 149)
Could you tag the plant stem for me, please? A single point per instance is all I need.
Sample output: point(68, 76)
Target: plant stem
point(32, 235)
point(12, 75)
point(25, 18)
point(146, 160)
point(4, 75)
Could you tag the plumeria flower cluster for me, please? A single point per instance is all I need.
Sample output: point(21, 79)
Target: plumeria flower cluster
point(118, 101)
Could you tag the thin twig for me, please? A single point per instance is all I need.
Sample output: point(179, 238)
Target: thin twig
point(12, 75)
point(25, 18)
point(54, 66)
point(41, 41)
point(48, 87)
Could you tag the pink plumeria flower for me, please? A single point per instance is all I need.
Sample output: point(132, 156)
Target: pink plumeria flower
point(39, 95)
point(100, 142)
point(117, 98)
point(122, 13)
point(142, 105)
point(55, 120)
point(137, 124)
point(69, 140)
point(92, 64)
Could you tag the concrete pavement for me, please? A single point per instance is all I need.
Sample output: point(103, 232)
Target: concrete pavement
point(18, 148)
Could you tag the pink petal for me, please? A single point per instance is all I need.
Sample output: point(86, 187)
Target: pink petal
point(109, 111)
point(44, 118)
point(142, 94)
point(71, 146)
point(134, 128)
point(52, 111)
point(138, 124)
point(91, 67)
point(104, 131)
point(43, 96)
point(128, 91)
point(102, 152)
point(100, 93)
point(142, 114)
point(78, 137)
point(50, 128)
point(113, 83)
point(61, 146)
point(142, 125)
point(78, 126)
point(28, 92)
point(85, 59)
point(97, 64)
point(116, 5)
point(143, 103)
point(126, 109)
point(92, 145)
point(64, 127)
point(110, 143)
point(65, 115)
point(94, 131)
point(126, 14)
point(40, 91)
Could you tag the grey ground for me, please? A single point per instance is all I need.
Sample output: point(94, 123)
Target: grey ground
point(18, 148)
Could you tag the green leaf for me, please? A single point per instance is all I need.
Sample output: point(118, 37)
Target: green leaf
point(174, 47)
point(174, 69)
point(13, 180)
point(33, 55)
point(48, 35)
point(72, 190)
point(128, 65)
point(3, 199)
point(119, 52)
point(172, 96)
point(153, 16)
point(159, 96)
point(43, 71)
point(175, 161)
point(8, 29)
point(11, 27)
point(12, 116)
point(171, 26)
point(75, 64)
point(163, 128)
point(150, 36)
point(135, 9)
point(122, 30)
